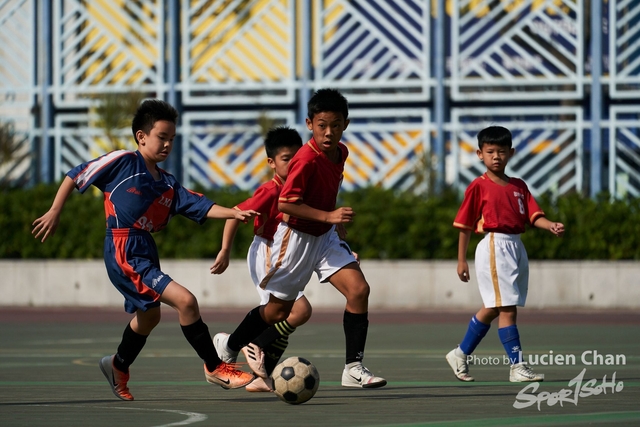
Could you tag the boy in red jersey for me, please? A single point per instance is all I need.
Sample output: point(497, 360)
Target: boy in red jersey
point(306, 241)
point(281, 144)
point(499, 206)
point(140, 198)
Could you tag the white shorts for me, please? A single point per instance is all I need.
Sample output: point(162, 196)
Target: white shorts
point(259, 261)
point(296, 255)
point(502, 270)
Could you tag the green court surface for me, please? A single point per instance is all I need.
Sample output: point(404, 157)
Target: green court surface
point(49, 373)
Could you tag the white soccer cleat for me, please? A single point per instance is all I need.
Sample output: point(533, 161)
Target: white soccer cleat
point(356, 375)
point(255, 359)
point(260, 385)
point(225, 354)
point(460, 366)
point(521, 373)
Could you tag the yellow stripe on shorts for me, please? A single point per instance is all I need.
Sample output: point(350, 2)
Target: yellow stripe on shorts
point(283, 251)
point(494, 270)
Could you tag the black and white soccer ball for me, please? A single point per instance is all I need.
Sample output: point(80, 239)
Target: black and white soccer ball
point(295, 380)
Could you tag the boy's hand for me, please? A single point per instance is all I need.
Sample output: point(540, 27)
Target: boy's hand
point(463, 271)
point(245, 216)
point(221, 263)
point(46, 225)
point(342, 232)
point(557, 228)
point(341, 215)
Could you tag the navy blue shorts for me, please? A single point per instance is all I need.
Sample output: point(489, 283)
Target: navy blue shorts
point(131, 258)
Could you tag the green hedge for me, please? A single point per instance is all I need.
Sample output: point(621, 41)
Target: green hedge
point(387, 226)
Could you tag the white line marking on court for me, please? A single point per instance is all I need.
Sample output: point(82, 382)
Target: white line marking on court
point(192, 417)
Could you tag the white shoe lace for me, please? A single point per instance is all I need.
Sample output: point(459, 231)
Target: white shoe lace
point(525, 371)
point(365, 371)
point(362, 372)
point(462, 365)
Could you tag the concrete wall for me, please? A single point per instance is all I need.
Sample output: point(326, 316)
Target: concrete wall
point(394, 284)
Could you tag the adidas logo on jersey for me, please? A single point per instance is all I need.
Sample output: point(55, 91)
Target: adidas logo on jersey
point(134, 190)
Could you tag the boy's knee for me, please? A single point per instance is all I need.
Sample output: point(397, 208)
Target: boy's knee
point(145, 321)
point(300, 313)
point(193, 304)
point(189, 304)
point(361, 290)
point(154, 320)
point(508, 312)
point(307, 313)
point(304, 315)
point(275, 316)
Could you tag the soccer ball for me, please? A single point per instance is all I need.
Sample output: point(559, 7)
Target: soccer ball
point(295, 380)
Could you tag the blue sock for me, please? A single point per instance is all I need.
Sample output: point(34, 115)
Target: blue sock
point(511, 341)
point(475, 332)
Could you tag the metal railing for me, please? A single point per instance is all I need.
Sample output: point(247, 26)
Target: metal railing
point(422, 79)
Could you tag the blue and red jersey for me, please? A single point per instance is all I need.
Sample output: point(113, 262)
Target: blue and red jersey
point(132, 197)
point(136, 204)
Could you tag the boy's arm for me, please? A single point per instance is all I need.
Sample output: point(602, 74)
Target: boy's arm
point(222, 260)
point(556, 228)
point(47, 224)
point(342, 231)
point(220, 212)
point(300, 210)
point(342, 235)
point(463, 245)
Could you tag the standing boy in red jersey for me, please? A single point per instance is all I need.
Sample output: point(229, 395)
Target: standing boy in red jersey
point(281, 144)
point(501, 207)
point(140, 198)
point(306, 241)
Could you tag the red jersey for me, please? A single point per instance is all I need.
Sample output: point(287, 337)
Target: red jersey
point(265, 201)
point(488, 206)
point(314, 180)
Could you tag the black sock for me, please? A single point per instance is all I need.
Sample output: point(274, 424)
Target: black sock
point(355, 333)
point(274, 340)
point(198, 336)
point(273, 352)
point(250, 327)
point(272, 333)
point(129, 348)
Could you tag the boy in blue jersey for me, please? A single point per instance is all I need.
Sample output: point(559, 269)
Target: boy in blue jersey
point(140, 198)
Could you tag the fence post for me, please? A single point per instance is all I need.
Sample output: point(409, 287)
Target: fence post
point(46, 112)
point(172, 67)
point(596, 97)
point(305, 58)
point(440, 66)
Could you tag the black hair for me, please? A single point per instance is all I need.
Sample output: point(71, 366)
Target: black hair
point(327, 100)
point(151, 111)
point(495, 135)
point(279, 137)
